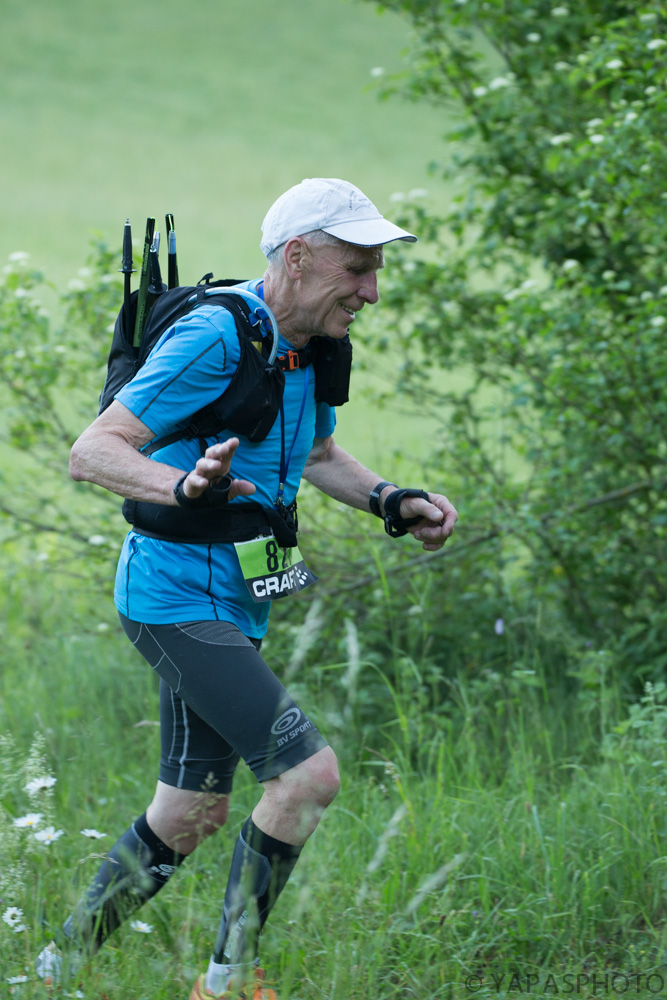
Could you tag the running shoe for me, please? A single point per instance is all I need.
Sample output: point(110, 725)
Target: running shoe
point(50, 965)
point(261, 992)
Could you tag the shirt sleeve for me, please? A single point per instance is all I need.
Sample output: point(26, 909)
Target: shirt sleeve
point(325, 420)
point(190, 366)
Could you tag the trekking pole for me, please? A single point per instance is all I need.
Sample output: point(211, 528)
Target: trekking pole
point(172, 266)
point(128, 270)
point(156, 286)
point(142, 299)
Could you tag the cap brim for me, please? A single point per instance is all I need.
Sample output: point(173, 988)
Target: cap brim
point(369, 232)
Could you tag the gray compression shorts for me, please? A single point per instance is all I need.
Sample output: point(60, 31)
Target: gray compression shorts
point(219, 702)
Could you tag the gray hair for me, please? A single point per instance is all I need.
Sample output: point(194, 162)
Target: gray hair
point(317, 237)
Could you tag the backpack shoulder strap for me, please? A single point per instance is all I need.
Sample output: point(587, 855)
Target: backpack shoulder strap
point(253, 368)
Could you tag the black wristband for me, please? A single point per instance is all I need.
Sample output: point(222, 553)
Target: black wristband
point(214, 496)
point(394, 524)
point(374, 498)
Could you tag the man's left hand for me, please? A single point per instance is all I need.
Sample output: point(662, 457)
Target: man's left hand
point(438, 519)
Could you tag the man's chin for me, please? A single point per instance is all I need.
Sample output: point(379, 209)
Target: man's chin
point(338, 333)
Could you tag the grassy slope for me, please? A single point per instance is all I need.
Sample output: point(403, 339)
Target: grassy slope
point(209, 111)
point(503, 843)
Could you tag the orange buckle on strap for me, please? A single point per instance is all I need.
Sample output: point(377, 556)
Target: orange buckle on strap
point(290, 361)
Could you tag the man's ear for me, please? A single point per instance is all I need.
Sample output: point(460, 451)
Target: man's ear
point(296, 256)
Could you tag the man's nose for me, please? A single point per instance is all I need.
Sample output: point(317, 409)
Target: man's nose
point(369, 289)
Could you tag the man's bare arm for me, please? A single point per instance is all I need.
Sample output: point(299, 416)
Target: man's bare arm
point(341, 476)
point(107, 453)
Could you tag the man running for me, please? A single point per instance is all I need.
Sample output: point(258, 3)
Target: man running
point(197, 607)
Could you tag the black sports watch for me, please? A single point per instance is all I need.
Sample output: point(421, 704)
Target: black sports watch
point(374, 498)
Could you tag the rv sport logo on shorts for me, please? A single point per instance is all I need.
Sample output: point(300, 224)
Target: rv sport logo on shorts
point(271, 572)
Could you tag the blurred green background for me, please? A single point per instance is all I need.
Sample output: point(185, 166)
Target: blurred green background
point(208, 110)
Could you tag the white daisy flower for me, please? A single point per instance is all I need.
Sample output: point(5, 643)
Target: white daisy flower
point(48, 835)
point(28, 821)
point(14, 980)
point(141, 927)
point(93, 834)
point(12, 916)
point(40, 784)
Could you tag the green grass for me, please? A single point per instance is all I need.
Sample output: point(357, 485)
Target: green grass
point(519, 832)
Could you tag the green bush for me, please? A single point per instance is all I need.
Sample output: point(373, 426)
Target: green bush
point(51, 373)
point(542, 288)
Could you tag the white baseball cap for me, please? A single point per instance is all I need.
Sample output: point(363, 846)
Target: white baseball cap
point(337, 207)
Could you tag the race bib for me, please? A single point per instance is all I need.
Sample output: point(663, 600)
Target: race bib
point(271, 572)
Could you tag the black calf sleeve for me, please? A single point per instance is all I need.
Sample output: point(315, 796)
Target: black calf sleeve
point(261, 866)
point(137, 867)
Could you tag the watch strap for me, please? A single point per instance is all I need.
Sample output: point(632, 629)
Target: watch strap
point(374, 498)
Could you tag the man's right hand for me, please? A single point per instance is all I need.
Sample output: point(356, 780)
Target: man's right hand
point(215, 464)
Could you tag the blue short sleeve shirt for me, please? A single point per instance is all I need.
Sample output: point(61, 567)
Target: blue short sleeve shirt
point(160, 582)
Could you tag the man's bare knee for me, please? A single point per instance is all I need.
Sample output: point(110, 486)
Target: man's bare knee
point(315, 780)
